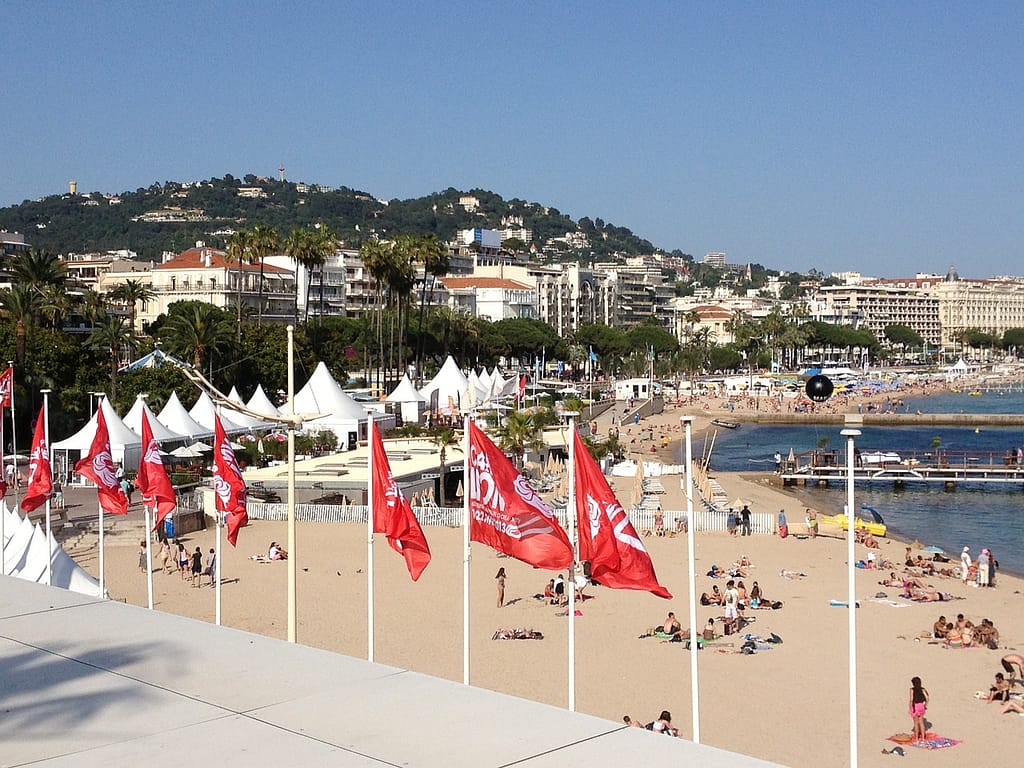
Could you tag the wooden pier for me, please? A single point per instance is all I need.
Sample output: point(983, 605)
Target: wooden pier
point(901, 468)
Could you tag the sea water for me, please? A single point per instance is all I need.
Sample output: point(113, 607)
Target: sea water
point(979, 515)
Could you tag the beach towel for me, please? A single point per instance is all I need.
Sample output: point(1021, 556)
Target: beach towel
point(931, 741)
point(841, 603)
point(890, 603)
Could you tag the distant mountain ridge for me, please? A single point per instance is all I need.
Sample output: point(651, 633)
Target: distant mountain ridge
point(172, 216)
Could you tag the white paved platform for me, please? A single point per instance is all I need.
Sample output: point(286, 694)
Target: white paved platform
point(85, 682)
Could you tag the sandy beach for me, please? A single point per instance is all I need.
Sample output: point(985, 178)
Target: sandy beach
point(788, 704)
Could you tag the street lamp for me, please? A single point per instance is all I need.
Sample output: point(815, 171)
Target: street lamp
point(850, 433)
point(691, 525)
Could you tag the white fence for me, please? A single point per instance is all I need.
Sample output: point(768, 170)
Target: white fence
point(643, 519)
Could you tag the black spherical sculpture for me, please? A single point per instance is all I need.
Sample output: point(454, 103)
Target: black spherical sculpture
point(819, 388)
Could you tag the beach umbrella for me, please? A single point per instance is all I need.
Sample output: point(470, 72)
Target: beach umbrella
point(739, 503)
point(460, 491)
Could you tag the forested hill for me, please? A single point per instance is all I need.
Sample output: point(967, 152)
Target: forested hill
point(173, 215)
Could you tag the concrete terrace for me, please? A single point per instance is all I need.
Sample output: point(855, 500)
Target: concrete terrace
point(87, 682)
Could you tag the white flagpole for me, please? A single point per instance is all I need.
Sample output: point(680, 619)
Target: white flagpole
point(14, 440)
point(466, 551)
point(149, 555)
point(850, 434)
point(292, 571)
point(103, 591)
point(3, 514)
point(691, 526)
point(46, 439)
point(216, 569)
point(570, 509)
point(369, 544)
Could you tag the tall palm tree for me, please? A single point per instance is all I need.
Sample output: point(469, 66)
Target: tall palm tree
point(92, 305)
point(436, 261)
point(111, 334)
point(237, 252)
point(197, 333)
point(38, 268)
point(325, 245)
point(131, 292)
point(55, 304)
point(298, 246)
point(265, 241)
point(20, 304)
point(519, 434)
point(447, 439)
point(375, 255)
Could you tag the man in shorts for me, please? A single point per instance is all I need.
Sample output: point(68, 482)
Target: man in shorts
point(732, 602)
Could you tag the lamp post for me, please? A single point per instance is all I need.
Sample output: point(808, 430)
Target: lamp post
point(691, 525)
point(850, 433)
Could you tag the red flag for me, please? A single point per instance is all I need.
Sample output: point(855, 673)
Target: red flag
point(98, 466)
point(40, 478)
point(7, 387)
point(522, 387)
point(392, 514)
point(607, 538)
point(152, 480)
point(507, 514)
point(228, 485)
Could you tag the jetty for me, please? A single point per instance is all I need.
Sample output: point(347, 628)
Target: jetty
point(888, 419)
point(900, 468)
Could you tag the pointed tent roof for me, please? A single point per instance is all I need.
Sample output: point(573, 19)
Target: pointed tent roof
point(405, 392)
point(449, 382)
point(322, 394)
point(485, 380)
point(154, 359)
point(242, 419)
point(176, 418)
point(260, 403)
point(133, 420)
point(120, 435)
point(204, 410)
point(26, 549)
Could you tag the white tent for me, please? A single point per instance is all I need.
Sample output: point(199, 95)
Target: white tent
point(260, 403)
point(204, 410)
point(341, 414)
point(450, 385)
point(412, 402)
point(176, 418)
point(125, 445)
point(133, 420)
point(243, 419)
point(24, 556)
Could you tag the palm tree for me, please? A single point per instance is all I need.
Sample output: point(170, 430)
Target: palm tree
point(38, 268)
point(131, 292)
point(375, 255)
point(112, 335)
point(238, 253)
point(436, 261)
point(20, 304)
point(519, 434)
point(55, 304)
point(298, 246)
point(93, 306)
point(265, 241)
point(198, 332)
point(325, 245)
point(447, 439)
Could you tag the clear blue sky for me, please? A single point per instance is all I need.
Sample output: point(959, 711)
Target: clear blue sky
point(884, 137)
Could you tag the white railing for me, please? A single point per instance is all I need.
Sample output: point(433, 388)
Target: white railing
point(761, 523)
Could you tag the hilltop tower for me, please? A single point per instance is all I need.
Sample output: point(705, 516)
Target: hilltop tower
point(72, 187)
point(280, 172)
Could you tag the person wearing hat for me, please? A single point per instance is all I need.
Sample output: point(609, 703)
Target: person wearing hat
point(983, 564)
point(965, 564)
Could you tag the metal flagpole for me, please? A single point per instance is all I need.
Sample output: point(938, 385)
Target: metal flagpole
point(3, 514)
point(570, 509)
point(850, 434)
point(46, 439)
point(14, 439)
point(369, 542)
point(216, 568)
point(99, 506)
point(466, 550)
point(691, 529)
point(291, 486)
point(149, 557)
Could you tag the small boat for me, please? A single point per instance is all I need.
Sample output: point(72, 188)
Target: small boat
point(725, 424)
point(975, 393)
point(873, 524)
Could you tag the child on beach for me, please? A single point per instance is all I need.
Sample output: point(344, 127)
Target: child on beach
point(500, 577)
point(918, 707)
point(142, 556)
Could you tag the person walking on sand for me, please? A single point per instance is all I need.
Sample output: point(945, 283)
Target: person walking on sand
point(142, 557)
point(812, 523)
point(745, 520)
point(165, 556)
point(918, 707)
point(500, 577)
point(965, 564)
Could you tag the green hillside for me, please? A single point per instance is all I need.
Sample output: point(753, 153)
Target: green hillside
point(91, 222)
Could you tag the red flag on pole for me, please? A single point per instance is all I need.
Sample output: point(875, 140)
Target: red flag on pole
point(40, 479)
point(618, 558)
point(228, 485)
point(392, 514)
point(7, 387)
point(507, 514)
point(98, 466)
point(152, 480)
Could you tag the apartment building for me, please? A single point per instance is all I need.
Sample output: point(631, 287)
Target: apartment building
point(874, 306)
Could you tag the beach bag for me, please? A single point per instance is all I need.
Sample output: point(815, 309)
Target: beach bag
point(776, 605)
point(729, 628)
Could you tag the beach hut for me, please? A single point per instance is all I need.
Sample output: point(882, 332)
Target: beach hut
point(411, 403)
